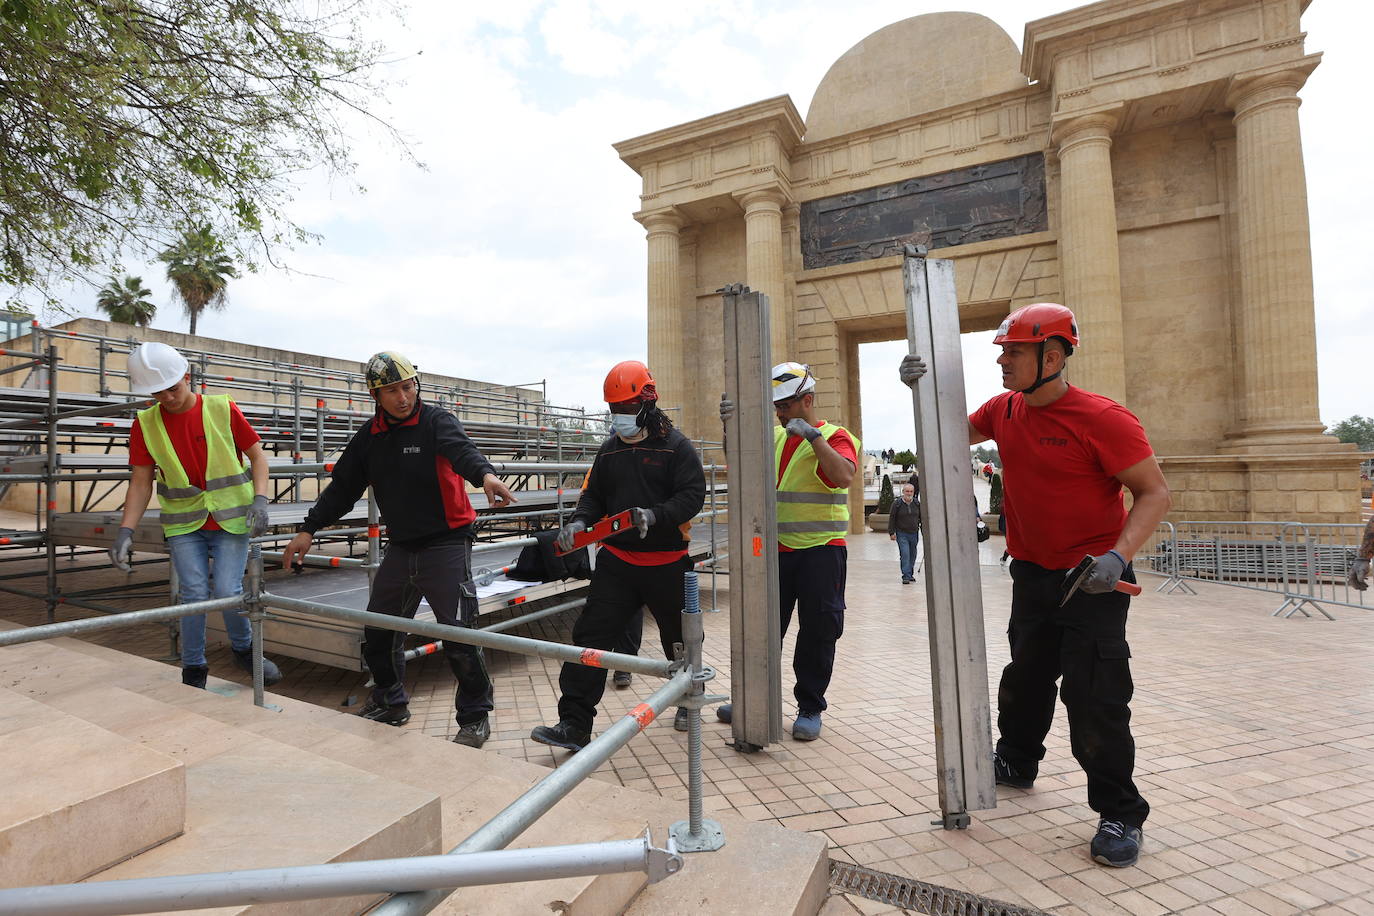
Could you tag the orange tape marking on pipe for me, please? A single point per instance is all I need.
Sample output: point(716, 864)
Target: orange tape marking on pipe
point(319, 403)
point(643, 714)
point(520, 600)
point(374, 531)
point(758, 547)
point(333, 561)
point(329, 466)
point(52, 504)
point(592, 657)
point(4, 540)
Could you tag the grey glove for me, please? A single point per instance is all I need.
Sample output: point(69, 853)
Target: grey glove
point(257, 517)
point(642, 519)
point(912, 370)
point(727, 408)
point(799, 427)
point(1107, 570)
point(564, 541)
point(1359, 572)
point(122, 551)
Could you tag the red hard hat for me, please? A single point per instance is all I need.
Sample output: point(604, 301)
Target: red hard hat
point(629, 381)
point(1034, 323)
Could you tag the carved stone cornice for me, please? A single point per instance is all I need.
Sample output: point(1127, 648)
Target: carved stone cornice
point(777, 117)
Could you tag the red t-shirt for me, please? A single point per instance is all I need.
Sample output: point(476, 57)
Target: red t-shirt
point(1059, 463)
point(842, 443)
point(187, 432)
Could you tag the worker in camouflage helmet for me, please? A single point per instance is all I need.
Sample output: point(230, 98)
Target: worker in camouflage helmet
point(192, 447)
point(416, 457)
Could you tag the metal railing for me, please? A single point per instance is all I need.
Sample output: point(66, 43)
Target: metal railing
point(1304, 563)
point(425, 884)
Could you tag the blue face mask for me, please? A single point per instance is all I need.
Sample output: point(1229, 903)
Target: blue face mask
point(625, 425)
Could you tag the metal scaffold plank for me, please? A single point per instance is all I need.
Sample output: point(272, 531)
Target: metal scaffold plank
point(958, 653)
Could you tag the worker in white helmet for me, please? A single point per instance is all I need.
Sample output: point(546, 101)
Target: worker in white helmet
point(193, 446)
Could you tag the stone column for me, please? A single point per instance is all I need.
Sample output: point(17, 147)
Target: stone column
point(1090, 261)
point(1275, 319)
point(763, 266)
point(665, 304)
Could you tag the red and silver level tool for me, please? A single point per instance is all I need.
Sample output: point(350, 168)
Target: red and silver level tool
point(612, 524)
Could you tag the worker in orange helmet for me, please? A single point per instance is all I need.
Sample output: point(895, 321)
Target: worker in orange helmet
point(651, 469)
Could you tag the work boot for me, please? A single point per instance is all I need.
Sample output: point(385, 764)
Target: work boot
point(622, 679)
point(1117, 844)
point(1007, 775)
point(565, 735)
point(680, 720)
point(807, 726)
point(271, 674)
point(195, 675)
point(474, 734)
point(378, 711)
point(725, 713)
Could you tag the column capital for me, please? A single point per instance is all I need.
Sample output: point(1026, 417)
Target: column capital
point(1086, 129)
point(1258, 89)
point(771, 197)
point(667, 220)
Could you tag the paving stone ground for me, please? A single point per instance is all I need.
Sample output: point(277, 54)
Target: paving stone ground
point(1255, 748)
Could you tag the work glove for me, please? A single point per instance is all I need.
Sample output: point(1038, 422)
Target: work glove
point(642, 519)
point(799, 427)
point(1359, 572)
point(727, 408)
point(912, 370)
point(257, 517)
point(564, 541)
point(1107, 570)
point(123, 550)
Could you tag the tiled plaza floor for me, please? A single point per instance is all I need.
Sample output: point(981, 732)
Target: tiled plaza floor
point(1255, 748)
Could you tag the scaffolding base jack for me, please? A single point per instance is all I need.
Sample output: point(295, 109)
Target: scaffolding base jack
point(957, 820)
point(711, 837)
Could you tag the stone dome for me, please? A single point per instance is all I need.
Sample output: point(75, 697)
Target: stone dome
point(920, 64)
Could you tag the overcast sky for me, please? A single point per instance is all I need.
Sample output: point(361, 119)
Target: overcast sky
point(513, 258)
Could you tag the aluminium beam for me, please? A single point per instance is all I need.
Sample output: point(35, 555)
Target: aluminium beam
point(954, 600)
point(755, 627)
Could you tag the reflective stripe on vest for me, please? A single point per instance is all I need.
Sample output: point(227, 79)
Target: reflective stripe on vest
point(809, 512)
point(229, 487)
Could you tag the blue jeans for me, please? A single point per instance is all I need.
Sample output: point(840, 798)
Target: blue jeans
point(908, 543)
point(209, 564)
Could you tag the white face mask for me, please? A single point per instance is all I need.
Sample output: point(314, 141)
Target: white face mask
point(625, 426)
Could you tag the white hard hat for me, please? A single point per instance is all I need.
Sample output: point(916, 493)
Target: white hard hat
point(154, 367)
point(792, 379)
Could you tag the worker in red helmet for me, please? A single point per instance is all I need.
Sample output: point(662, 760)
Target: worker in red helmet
point(651, 469)
point(1066, 455)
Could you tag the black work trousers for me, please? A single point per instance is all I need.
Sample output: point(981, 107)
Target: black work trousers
point(1084, 642)
point(618, 591)
point(440, 574)
point(812, 582)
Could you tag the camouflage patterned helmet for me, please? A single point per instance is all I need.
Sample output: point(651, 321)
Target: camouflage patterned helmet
point(387, 368)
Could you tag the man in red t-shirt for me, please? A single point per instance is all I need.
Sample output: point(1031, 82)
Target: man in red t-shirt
point(1066, 455)
point(207, 516)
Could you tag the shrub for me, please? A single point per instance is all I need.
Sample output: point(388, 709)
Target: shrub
point(885, 495)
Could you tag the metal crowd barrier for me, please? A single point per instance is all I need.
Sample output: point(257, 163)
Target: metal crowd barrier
point(425, 881)
point(1304, 563)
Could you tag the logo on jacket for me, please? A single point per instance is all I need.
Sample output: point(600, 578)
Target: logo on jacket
point(410, 450)
point(1053, 440)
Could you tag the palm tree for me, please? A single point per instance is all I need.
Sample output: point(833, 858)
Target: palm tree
point(199, 269)
point(127, 302)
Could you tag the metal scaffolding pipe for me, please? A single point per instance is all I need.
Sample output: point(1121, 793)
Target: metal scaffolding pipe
point(502, 829)
point(514, 622)
point(596, 658)
point(115, 621)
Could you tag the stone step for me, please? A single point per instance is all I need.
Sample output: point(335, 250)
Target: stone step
point(75, 798)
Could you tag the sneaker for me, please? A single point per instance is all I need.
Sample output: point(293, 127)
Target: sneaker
point(908, 581)
point(807, 726)
point(1117, 844)
point(680, 720)
point(195, 675)
point(724, 713)
point(1007, 775)
point(564, 735)
point(474, 734)
point(388, 715)
point(271, 674)
point(621, 679)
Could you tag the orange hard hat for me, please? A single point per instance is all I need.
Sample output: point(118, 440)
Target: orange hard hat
point(1037, 323)
point(629, 381)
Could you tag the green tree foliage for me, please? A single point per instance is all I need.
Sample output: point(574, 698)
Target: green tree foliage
point(200, 272)
point(995, 495)
point(123, 122)
point(127, 301)
point(1357, 429)
point(986, 454)
point(905, 458)
point(885, 496)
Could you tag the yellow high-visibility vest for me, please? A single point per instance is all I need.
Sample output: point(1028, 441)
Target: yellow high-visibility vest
point(809, 512)
point(228, 486)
